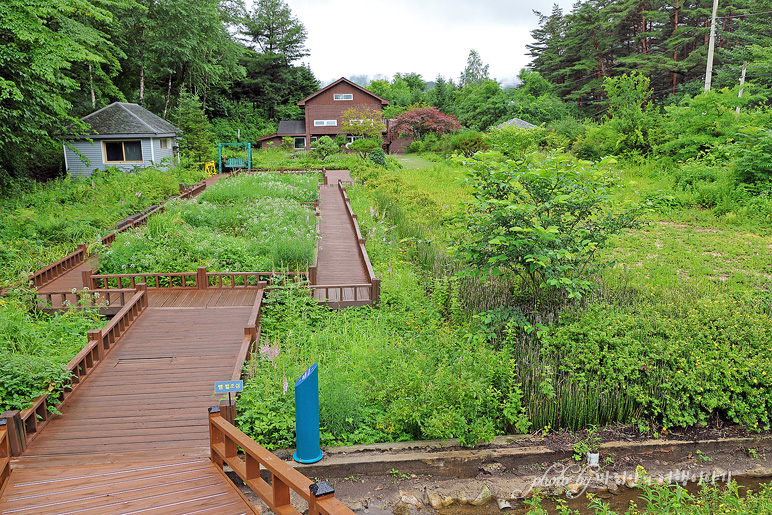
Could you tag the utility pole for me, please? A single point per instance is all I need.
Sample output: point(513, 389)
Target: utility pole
point(742, 83)
point(711, 47)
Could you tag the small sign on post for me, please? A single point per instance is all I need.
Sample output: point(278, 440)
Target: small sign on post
point(228, 387)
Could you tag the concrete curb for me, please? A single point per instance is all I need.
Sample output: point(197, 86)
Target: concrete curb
point(444, 459)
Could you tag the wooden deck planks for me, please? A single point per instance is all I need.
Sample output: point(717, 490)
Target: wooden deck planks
point(167, 363)
point(169, 487)
point(120, 443)
point(70, 279)
point(210, 298)
point(338, 261)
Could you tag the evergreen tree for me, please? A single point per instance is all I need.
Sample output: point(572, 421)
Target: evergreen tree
point(475, 71)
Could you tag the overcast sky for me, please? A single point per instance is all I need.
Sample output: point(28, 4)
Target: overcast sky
point(429, 37)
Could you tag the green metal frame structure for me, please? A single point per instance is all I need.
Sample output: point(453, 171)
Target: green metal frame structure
point(219, 153)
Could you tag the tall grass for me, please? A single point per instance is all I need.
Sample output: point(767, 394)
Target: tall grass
point(42, 223)
point(258, 225)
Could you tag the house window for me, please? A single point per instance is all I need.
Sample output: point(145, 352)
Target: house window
point(123, 151)
point(164, 143)
point(350, 139)
point(325, 123)
point(343, 96)
point(313, 139)
point(300, 143)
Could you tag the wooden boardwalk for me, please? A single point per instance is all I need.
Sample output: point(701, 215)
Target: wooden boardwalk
point(339, 259)
point(134, 437)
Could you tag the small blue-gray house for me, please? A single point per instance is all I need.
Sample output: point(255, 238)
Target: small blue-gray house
point(123, 135)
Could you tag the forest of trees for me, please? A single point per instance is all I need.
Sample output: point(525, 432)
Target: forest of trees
point(666, 40)
point(62, 59)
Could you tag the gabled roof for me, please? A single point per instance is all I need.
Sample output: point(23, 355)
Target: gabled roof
point(291, 127)
point(384, 102)
point(516, 122)
point(122, 118)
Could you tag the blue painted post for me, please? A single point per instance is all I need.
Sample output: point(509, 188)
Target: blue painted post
point(249, 156)
point(307, 417)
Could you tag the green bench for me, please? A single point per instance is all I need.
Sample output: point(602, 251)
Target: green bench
point(235, 162)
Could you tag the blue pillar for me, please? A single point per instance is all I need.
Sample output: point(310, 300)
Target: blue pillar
point(307, 417)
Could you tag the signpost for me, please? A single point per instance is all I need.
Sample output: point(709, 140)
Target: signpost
point(229, 387)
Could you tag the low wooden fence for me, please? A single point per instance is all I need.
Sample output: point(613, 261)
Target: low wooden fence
point(108, 302)
point(57, 269)
point(25, 425)
point(5, 456)
point(225, 440)
point(198, 280)
point(188, 192)
point(343, 295)
point(248, 348)
point(375, 283)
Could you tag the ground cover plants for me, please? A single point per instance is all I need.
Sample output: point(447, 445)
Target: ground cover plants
point(41, 223)
point(673, 334)
point(245, 223)
point(35, 348)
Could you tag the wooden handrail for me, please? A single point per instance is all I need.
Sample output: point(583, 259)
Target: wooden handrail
point(100, 341)
point(111, 298)
point(375, 282)
point(251, 335)
point(198, 280)
point(5, 455)
point(58, 268)
point(224, 441)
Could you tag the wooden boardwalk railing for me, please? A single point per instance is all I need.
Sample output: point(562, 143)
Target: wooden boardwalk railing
point(5, 455)
point(198, 280)
point(225, 440)
point(108, 302)
point(375, 283)
point(25, 425)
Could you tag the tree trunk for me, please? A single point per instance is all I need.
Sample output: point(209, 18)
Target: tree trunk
point(142, 69)
point(142, 85)
point(91, 82)
point(168, 95)
point(675, 51)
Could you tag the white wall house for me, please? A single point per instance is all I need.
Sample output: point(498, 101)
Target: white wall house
point(126, 136)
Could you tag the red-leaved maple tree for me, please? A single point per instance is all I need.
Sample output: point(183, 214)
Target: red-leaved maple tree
point(421, 121)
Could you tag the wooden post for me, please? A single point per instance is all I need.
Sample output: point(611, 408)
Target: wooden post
point(281, 494)
point(17, 432)
point(312, 271)
point(228, 411)
point(319, 491)
point(86, 276)
point(375, 291)
point(202, 283)
point(95, 335)
point(215, 436)
point(142, 287)
point(5, 455)
point(83, 248)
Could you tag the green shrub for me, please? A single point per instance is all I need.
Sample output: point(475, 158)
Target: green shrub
point(596, 143)
point(378, 156)
point(754, 163)
point(467, 143)
point(682, 362)
point(515, 142)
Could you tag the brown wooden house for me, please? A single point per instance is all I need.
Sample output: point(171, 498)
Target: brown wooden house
point(324, 113)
